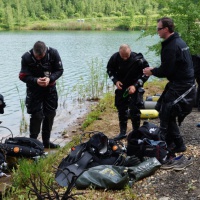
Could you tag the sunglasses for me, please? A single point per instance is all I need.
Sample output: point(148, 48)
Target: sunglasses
point(158, 29)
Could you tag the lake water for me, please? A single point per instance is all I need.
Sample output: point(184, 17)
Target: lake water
point(76, 49)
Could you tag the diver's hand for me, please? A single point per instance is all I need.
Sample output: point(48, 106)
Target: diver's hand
point(119, 85)
point(147, 71)
point(131, 89)
point(43, 82)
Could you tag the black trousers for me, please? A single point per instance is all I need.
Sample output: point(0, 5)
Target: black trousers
point(129, 103)
point(42, 105)
point(170, 115)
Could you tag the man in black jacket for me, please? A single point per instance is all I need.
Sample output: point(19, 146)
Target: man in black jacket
point(177, 100)
point(40, 68)
point(125, 70)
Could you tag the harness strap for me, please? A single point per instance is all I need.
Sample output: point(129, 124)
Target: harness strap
point(183, 95)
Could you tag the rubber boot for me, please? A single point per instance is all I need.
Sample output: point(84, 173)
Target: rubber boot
point(180, 146)
point(46, 130)
point(135, 122)
point(123, 119)
point(35, 124)
point(122, 134)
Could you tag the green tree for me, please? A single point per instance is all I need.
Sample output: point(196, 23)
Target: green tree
point(24, 11)
point(9, 19)
point(21, 13)
point(70, 9)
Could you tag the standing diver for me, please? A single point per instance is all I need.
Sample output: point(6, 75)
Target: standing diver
point(125, 68)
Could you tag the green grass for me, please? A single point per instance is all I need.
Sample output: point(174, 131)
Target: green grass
point(96, 83)
point(105, 103)
point(23, 122)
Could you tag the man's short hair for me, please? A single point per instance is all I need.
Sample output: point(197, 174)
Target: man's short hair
point(39, 48)
point(167, 22)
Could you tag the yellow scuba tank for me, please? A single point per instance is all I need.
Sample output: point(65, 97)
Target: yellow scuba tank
point(152, 98)
point(148, 113)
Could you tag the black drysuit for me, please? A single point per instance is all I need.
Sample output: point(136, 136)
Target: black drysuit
point(177, 67)
point(41, 102)
point(128, 72)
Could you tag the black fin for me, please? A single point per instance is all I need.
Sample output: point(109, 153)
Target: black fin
point(65, 174)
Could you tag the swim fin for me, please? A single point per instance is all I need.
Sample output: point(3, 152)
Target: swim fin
point(65, 173)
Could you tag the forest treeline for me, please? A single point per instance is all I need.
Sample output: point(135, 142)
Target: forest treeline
point(102, 15)
point(18, 13)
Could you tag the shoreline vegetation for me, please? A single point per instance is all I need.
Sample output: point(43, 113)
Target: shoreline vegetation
point(125, 23)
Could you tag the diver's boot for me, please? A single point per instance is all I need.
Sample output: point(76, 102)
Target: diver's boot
point(50, 145)
point(180, 146)
point(46, 130)
point(35, 124)
point(135, 118)
point(135, 123)
point(122, 134)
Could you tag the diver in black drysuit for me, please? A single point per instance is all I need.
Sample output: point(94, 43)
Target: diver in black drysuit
point(177, 67)
point(41, 101)
point(129, 73)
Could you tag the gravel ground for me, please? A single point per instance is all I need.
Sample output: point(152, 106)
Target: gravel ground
point(165, 184)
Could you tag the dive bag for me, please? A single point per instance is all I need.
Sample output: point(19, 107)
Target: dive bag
point(98, 150)
point(145, 142)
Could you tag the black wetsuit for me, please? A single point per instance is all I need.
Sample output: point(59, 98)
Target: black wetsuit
point(41, 102)
point(177, 67)
point(128, 72)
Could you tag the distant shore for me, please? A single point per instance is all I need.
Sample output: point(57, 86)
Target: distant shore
point(90, 24)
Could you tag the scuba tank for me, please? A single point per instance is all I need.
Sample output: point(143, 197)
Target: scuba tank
point(150, 104)
point(149, 113)
point(152, 98)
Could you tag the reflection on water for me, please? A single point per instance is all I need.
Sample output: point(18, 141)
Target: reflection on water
point(76, 50)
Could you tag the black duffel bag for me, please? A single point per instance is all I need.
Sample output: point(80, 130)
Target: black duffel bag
point(145, 142)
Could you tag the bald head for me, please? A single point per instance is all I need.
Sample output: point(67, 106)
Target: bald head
point(124, 51)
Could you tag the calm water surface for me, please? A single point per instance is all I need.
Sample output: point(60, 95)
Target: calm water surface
point(76, 50)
